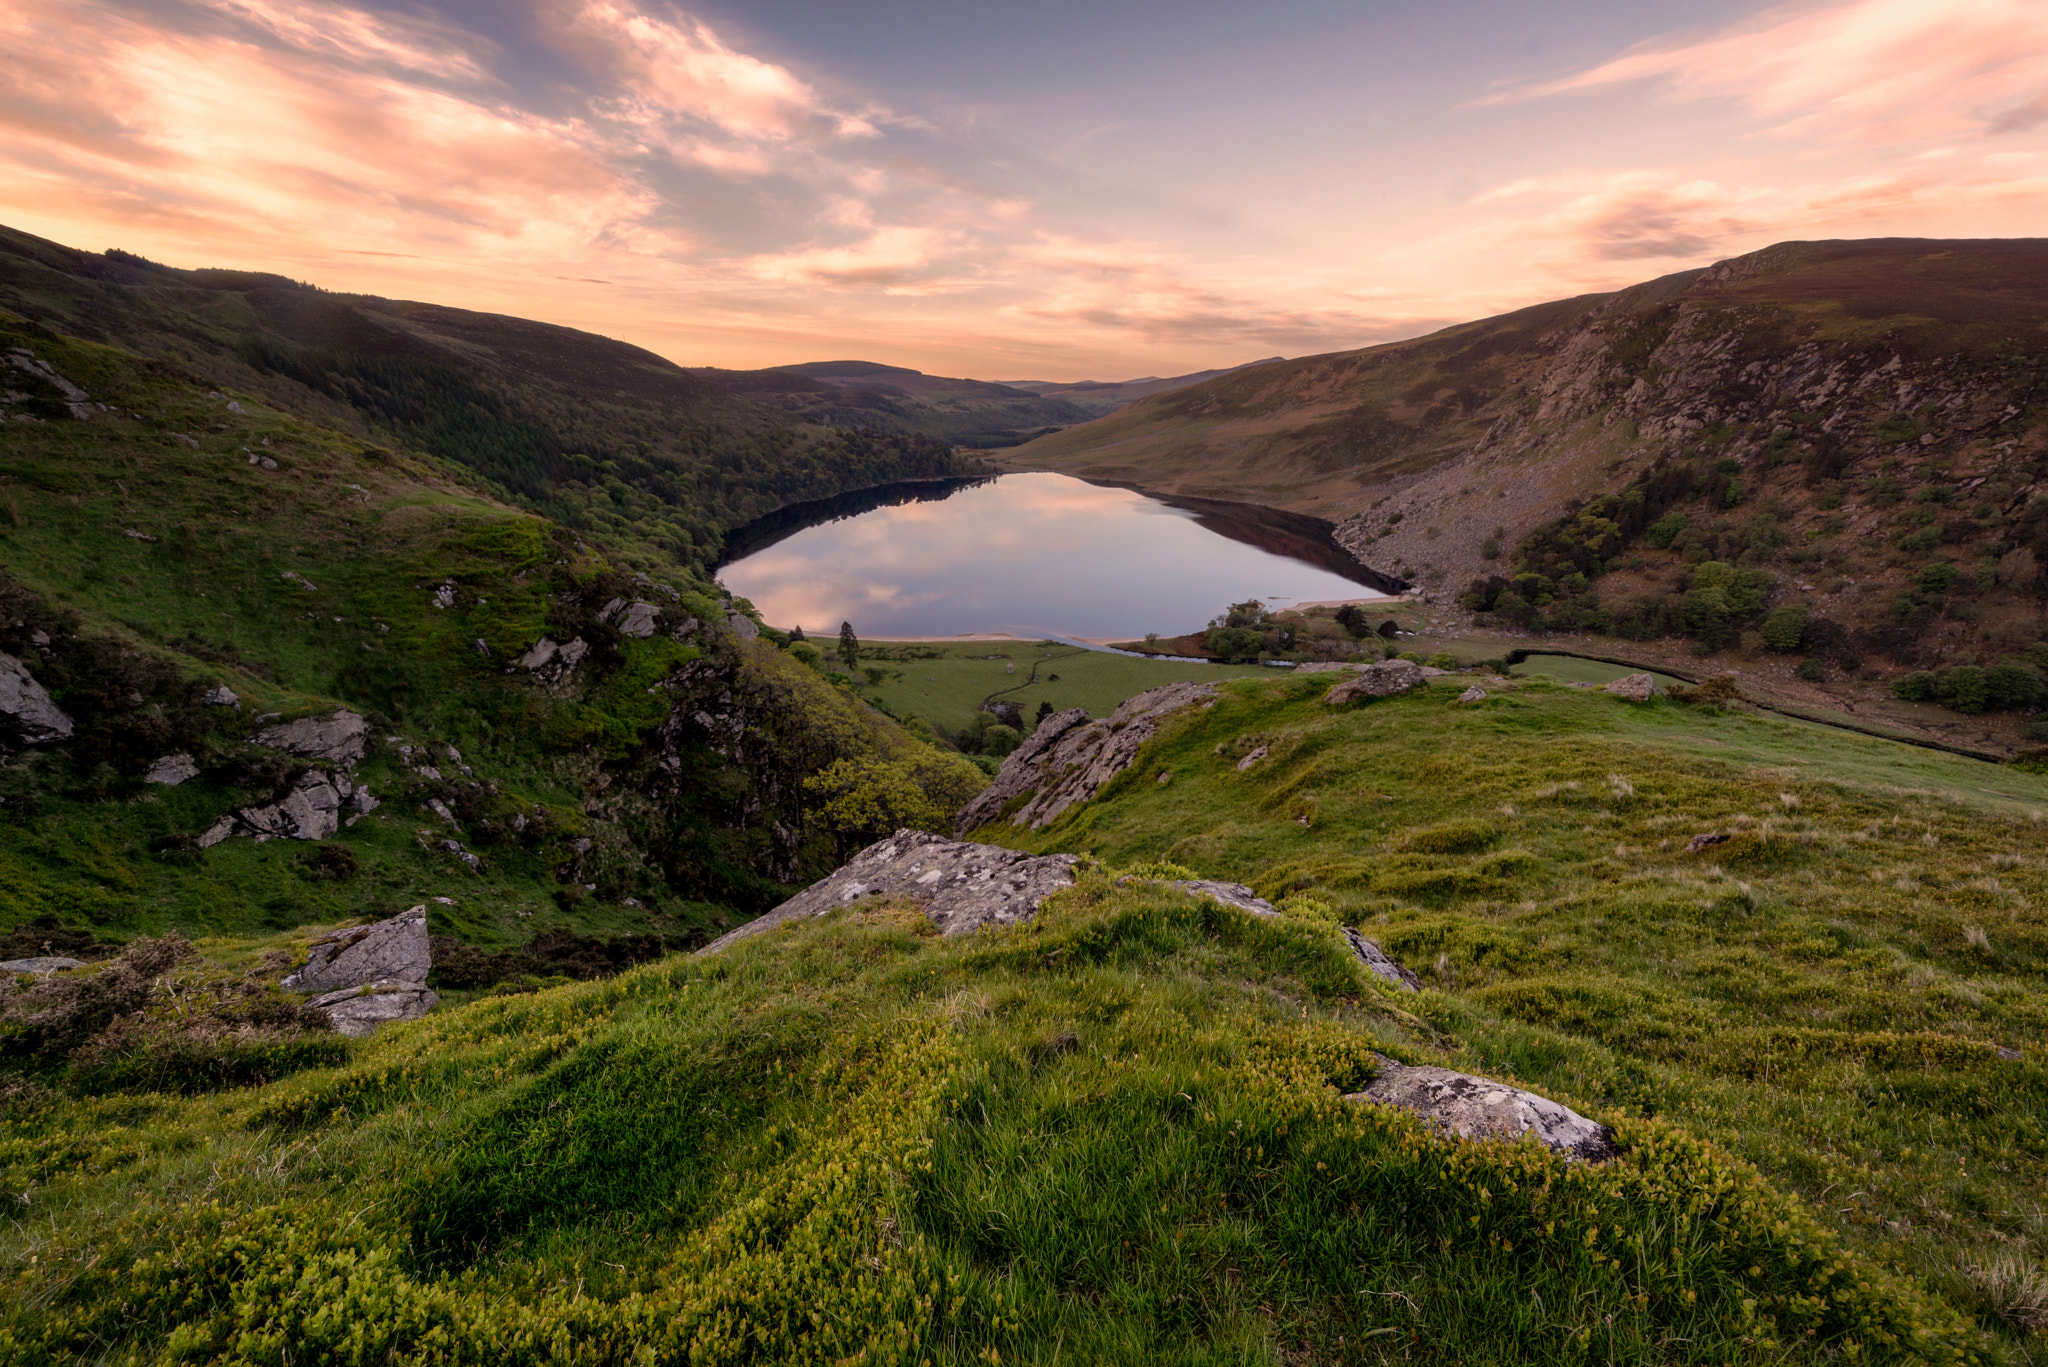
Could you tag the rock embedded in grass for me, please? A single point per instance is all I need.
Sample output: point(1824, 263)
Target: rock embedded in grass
point(1069, 758)
point(172, 770)
point(338, 737)
point(394, 950)
point(48, 963)
point(961, 885)
point(26, 709)
point(1468, 1107)
point(1633, 687)
point(358, 1011)
point(1382, 680)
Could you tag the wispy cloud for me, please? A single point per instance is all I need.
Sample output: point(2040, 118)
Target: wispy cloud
point(1875, 70)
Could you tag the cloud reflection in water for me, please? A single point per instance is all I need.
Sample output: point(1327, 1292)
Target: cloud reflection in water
point(1032, 554)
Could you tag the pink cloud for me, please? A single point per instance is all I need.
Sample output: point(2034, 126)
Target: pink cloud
point(1874, 70)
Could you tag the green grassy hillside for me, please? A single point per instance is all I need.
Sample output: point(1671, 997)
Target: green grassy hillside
point(596, 435)
point(181, 540)
point(1117, 1135)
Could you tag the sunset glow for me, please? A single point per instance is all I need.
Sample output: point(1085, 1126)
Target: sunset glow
point(756, 185)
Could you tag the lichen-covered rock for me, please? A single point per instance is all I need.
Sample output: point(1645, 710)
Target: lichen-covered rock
point(338, 737)
point(395, 949)
point(1373, 957)
point(1634, 687)
point(48, 963)
point(1473, 694)
point(1069, 758)
point(171, 770)
point(1477, 1108)
point(1381, 680)
point(963, 886)
point(27, 715)
point(220, 696)
point(358, 1011)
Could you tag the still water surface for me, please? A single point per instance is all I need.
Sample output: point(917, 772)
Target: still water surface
point(1034, 555)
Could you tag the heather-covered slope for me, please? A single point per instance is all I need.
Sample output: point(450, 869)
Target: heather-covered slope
point(1856, 428)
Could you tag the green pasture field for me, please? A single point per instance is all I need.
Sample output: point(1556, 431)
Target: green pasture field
point(946, 683)
point(1570, 669)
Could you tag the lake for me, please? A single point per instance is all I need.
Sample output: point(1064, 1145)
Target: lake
point(1031, 555)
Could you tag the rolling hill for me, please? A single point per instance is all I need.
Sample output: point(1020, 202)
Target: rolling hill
point(1855, 430)
point(886, 398)
point(597, 434)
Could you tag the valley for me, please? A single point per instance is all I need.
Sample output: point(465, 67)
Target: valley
point(331, 621)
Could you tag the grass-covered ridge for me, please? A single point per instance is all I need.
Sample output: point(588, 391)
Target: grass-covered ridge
point(1114, 1136)
point(1847, 992)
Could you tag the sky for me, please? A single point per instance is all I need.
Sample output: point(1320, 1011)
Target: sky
point(1057, 191)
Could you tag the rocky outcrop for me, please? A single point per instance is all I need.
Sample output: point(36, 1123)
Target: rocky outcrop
point(338, 737)
point(1373, 957)
point(394, 950)
point(48, 963)
point(1069, 758)
point(1634, 687)
point(27, 715)
point(311, 809)
point(358, 1011)
point(172, 770)
point(1473, 694)
point(551, 663)
point(1382, 680)
point(962, 886)
point(220, 696)
point(1468, 1107)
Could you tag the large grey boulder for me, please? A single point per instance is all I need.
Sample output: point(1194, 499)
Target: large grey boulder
point(358, 1011)
point(1069, 758)
point(638, 620)
point(338, 737)
point(310, 811)
point(1381, 680)
point(962, 886)
point(48, 963)
point(395, 949)
point(26, 712)
point(1469, 1107)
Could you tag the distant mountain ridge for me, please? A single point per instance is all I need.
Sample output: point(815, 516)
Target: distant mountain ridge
point(1100, 397)
point(886, 398)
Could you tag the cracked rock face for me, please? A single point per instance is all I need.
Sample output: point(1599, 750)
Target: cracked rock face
point(394, 950)
point(1382, 680)
point(358, 1011)
point(338, 737)
point(962, 886)
point(26, 711)
point(310, 811)
point(1069, 758)
point(1468, 1107)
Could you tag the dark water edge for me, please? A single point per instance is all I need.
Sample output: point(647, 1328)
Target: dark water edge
point(792, 518)
point(1296, 536)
